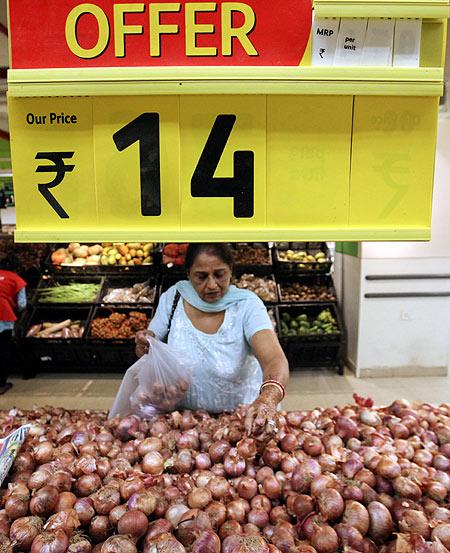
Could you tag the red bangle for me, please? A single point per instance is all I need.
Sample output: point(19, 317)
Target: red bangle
point(277, 384)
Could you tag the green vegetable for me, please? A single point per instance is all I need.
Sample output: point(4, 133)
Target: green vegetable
point(69, 293)
point(302, 325)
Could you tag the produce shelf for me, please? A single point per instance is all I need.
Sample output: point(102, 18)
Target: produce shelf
point(128, 281)
point(306, 280)
point(313, 350)
point(103, 312)
point(47, 281)
point(55, 353)
point(296, 267)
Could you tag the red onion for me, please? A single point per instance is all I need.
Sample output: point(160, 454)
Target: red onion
point(143, 501)
point(79, 544)
point(207, 542)
point(331, 504)
point(192, 523)
point(133, 523)
point(381, 524)
point(199, 498)
point(442, 533)
point(66, 520)
point(44, 502)
point(85, 510)
point(243, 544)
point(50, 542)
point(127, 428)
point(357, 516)
point(324, 539)
point(24, 530)
point(100, 528)
point(114, 544)
point(217, 513)
point(105, 499)
point(116, 514)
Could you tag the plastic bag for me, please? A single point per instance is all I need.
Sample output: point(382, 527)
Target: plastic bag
point(164, 376)
point(9, 448)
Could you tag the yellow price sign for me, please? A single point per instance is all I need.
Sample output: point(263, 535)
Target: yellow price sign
point(238, 168)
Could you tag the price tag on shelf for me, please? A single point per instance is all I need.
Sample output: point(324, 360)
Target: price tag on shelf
point(352, 32)
point(378, 43)
point(407, 42)
point(324, 39)
point(215, 167)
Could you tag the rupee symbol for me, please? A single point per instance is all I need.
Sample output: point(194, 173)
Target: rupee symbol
point(58, 167)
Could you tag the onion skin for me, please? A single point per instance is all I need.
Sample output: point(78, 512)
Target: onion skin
point(442, 533)
point(415, 522)
point(207, 542)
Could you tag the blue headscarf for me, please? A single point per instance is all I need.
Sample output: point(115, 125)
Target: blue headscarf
point(232, 296)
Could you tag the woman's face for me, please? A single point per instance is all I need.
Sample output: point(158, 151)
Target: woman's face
point(210, 276)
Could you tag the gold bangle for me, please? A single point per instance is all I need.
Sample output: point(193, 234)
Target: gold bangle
point(275, 383)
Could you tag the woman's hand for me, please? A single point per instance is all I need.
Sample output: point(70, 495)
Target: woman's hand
point(261, 421)
point(141, 341)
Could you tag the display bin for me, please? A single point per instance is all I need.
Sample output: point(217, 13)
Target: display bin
point(103, 311)
point(48, 280)
point(59, 353)
point(127, 281)
point(255, 268)
point(313, 350)
point(258, 272)
point(293, 268)
point(306, 280)
point(149, 269)
point(115, 354)
point(170, 268)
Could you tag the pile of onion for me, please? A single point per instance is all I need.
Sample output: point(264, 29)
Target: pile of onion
point(354, 479)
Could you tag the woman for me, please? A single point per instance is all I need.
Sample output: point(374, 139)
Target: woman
point(228, 331)
point(12, 299)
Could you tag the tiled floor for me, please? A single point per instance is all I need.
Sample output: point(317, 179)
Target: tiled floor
point(307, 389)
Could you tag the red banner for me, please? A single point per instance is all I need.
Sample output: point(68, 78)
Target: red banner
point(69, 33)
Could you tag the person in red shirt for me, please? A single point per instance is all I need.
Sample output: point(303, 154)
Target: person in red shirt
point(12, 301)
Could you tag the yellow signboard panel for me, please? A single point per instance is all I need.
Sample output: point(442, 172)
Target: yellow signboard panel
point(392, 160)
point(308, 179)
point(124, 136)
point(238, 168)
point(240, 123)
point(40, 130)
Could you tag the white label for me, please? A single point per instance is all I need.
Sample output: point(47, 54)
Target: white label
point(352, 33)
point(379, 41)
point(407, 42)
point(324, 38)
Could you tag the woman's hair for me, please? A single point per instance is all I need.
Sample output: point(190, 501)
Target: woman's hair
point(9, 262)
point(220, 250)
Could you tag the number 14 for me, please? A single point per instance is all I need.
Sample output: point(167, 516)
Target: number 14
point(145, 130)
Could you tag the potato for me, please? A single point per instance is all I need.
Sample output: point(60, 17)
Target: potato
point(123, 249)
point(80, 252)
point(95, 250)
point(132, 252)
point(73, 246)
point(140, 253)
